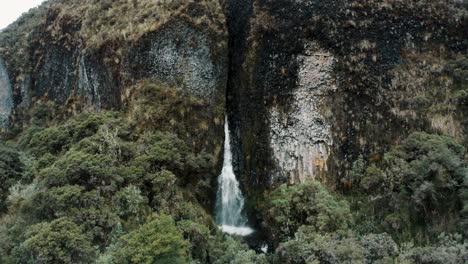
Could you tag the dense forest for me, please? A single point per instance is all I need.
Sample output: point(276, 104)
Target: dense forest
point(348, 122)
point(96, 188)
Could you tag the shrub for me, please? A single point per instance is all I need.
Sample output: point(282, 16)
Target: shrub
point(311, 247)
point(11, 170)
point(198, 237)
point(451, 249)
point(93, 212)
point(160, 188)
point(464, 211)
point(416, 187)
point(379, 247)
point(55, 202)
point(308, 204)
point(130, 203)
point(51, 140)
point(159, 153)
point(431, 169)
point(157, 241)
point(166, 151)
point(227, 250)
point(87, 170)
point(60, 241)
point(58, 138)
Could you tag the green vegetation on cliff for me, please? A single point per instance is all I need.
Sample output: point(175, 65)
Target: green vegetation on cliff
point(126, 194)
point(137, 184)
point(97, 188)
point(409, 207)
point(414, 192)
point(95, 22)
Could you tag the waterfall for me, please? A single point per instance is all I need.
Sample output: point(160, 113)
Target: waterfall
point(6, 96)
point(229, 198)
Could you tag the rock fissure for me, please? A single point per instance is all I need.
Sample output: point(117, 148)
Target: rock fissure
point(307, 84)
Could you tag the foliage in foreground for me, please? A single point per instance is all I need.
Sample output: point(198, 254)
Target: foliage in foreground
point(408, 208)
point(416, 191)
point(158, 240)
point(309, 204)
point(60, 241)
point(96, 189)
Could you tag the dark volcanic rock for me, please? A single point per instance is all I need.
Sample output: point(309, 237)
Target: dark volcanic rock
point(314, 83)
point(55, 75)
point(179, 55)
point(97, 82)
point(310, 84)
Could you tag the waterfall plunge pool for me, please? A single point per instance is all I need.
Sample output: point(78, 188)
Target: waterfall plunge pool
point(237, 230)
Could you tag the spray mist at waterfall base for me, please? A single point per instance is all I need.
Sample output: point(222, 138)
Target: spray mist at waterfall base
point(230, 215)
point(235, 230)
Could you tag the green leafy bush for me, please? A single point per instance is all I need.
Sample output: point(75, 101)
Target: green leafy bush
point(55, 202)
point(60, 241)
point(416, 188)
point(11, 169)
point(87, 170)
point(165, 151)
point(58, 138)
point(227, 250)
point(130, 203)
point(198, 238)
point(98, 172)
point(310, 204)
point(157, 241)
point(450, 249)
point(464, 211)
point(96, 180)
point(379, 248)
point(308, 246)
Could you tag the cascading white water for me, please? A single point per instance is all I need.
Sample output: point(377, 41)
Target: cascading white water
point(6, 96)
point(229, 199)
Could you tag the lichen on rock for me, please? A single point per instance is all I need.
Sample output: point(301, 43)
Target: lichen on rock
point(180, 55)
point(301, 138)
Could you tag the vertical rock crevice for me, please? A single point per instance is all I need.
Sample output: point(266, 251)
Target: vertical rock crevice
point(238, 15)
point(276, 94)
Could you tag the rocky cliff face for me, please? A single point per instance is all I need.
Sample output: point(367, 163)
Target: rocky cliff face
point(315, 83)
point(61, 52)
point(309, 84)
point(301, 138)
point(180, 55)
